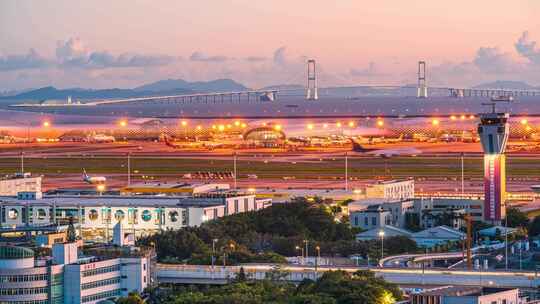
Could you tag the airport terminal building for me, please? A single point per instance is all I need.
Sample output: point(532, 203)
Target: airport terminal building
point(96, 216)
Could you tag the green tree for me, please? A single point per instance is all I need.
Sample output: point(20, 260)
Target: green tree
point(516, 218)
point(132, 298)
point(534, 227)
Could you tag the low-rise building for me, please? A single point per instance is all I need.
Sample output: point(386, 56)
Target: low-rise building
point(391, 189)
point(467, 295)
point(97, 215)
point(13, 184)
point(385, 231)
point(437, 236)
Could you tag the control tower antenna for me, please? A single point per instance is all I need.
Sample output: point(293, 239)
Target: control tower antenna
point(312, 90)
point(422, 86)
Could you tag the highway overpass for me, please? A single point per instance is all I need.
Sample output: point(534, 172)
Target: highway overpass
point(199, 274)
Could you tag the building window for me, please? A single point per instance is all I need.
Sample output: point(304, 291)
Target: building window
point(13, 214)
point(235, 206)
point(101, 295)
point(119, 215)
point(96, 284)
point(93, 215)
point(184, 217)
point(106, 269)
point(246, 204)
point(147, 215)
point(356, 220)
point(374, 221)
point(366, 221)
point(41, 214)
point(173, 216)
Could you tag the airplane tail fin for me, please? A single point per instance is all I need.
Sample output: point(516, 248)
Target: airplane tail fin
point(85, 176)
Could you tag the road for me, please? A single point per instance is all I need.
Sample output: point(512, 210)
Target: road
point(402, 276)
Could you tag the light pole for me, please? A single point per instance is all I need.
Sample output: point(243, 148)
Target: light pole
point(301, 249)
point(381, 235)
point(307, 254)
point(129, 169)
point(462, 175)
point(505, 238)
point(346, 171)
point(214, 241)
point(234, 167)
point(318, 248)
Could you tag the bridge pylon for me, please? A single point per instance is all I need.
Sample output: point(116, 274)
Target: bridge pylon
point(312, 92)
point(422, 86)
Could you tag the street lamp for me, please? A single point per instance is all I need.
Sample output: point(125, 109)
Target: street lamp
point(307, 254)
point(301, 249)
point(318, 248)
point(46, 124)
point(381, 235)
point(214, 241)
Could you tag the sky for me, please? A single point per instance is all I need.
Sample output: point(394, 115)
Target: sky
point(127, 43)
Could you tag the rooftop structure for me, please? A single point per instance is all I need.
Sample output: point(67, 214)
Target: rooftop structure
point(467, 295)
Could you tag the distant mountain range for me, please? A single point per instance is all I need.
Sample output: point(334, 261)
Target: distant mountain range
point(159, 88)
point(507, 84)
point(218, 85)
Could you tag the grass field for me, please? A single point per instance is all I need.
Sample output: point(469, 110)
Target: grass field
point(364, 167)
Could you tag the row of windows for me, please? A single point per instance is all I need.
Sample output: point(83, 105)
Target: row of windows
point(101, 295)
point(23, 278)
point(100, 270)
point(100, 283)
point(22, 291)
point(31, 302)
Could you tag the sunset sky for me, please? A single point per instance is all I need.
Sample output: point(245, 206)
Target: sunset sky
point(125, 43)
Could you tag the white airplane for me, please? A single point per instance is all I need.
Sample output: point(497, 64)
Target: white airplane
point(395, 152)
point(93, 179)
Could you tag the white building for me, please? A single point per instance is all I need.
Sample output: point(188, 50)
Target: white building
point(67, 277)
point(437, 236)
point(467, 295)
point(391, 190)
point(139, 214)
point(13, 184)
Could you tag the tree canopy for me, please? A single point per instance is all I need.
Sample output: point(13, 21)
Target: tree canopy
point(333, 287)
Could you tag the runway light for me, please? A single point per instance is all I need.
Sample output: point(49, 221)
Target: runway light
point(46, 124)
point(100, 187)
point(122, 123)
point(462, 117)
point(277, 127)
point(524, 121)
point(237, 123)
point(471, 116)
point(229, 126)
point(183, 123)
point(435, 122)
point(325, 125)
point(351, 124)
point(380, 123)
point(243, 125)
point(528, 128)
point(214, 127)
point(221, 127)
point(251, 190)
point(453, 117)
point(199, 128)
point(338, 124)
point(310, 126)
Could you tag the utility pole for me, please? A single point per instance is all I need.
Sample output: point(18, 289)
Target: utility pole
point(22, 163)
point(346, 171)
point(462, 175)
point(129, 169)
point(234, 165)
point(505, 239)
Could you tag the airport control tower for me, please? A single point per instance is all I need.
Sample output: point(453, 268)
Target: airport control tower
point(493, 131)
